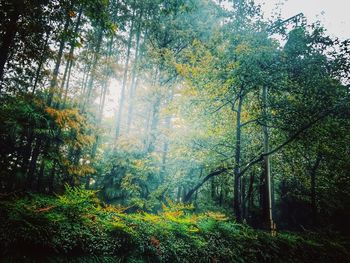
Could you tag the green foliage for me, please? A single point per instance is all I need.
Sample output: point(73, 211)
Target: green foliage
point(130, 178)
point(192, 70)
point(75, 224)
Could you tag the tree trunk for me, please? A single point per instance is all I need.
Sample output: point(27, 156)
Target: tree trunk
point(244, 198)
point(10, 31)
point(133, 77)
point(93, 69)
point(147, 129)
point(237, 199)
point(52, 178)
point(166, 142)
point(27, 151)
point(154, 125)
point(250, 195)
point(221, 195)
point(313, 189)
point(84, 82)
point(201, 183)
point(179, 194)
point(125, 79)
point(267, 204)
point(41, 62)
point(53, 82)
point(69, 63)
point(32, 165)
point(39, 186)
point(67, 85)
point(184, 193)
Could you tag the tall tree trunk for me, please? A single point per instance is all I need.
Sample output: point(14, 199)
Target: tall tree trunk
point(41, 62)
point(263, 195)
point(100, 113)
point(69, 63)
point(65, 74)
point(56, 70)
point(237, 199)
point(184, 193)
point(39, 186)
point(164, 160)
point(244, 198)
point(27, 151)
point(84, 84)
point(267, 213)
point(154, 125)
point(33, 163)
point(10, 31)
point(147, 128)
point(250, 196)
point(178, 198)
point(134, 76)
point(51, 183)
point(93, 69)
point(125, 79)
point(167, 127)
point(313, 189)
point(67, 85)
point(221, 195)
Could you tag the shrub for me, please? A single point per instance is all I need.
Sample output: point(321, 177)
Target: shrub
point(77, 225)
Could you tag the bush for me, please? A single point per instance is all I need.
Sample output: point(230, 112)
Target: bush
point(77, 225)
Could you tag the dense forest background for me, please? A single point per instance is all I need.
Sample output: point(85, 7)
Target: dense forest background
point(217, 107)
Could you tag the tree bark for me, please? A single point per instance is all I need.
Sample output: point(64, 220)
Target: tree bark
point(125, 79)
point(166, 142)
point(67, 85)
point(267, 205)
point(33, 163)
point(154, 125)
point(27, 151)
point(250, 194)
point(313, 189)
point(41, 62)
point(237, 199)
point(93, 69)
point(10, 31)
point(133, 77)
point(39, 186)
point(66, 75)
point(51, 182)
point(53, 82)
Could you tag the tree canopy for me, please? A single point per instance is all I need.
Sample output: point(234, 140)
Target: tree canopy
point(158, 102)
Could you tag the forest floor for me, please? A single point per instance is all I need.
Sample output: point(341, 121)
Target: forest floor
point(77, 227)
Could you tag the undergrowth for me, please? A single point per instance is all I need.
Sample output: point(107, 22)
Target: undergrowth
point(77, 226)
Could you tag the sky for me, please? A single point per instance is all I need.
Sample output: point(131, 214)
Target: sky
point(333, 14)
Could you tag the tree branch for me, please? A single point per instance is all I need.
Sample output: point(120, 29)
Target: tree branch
point(261, 157)
point(199, 185)
point(250, 121)
point(289, 140)
point(219, 108)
